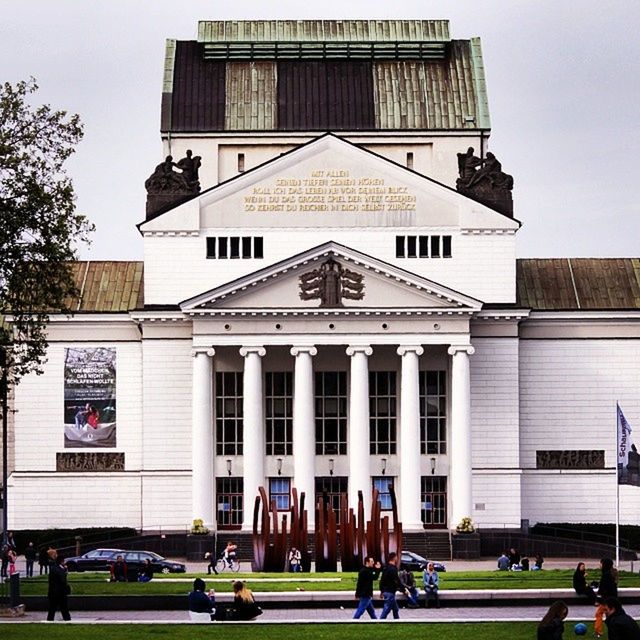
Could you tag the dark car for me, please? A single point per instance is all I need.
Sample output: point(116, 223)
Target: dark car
point(95, 560)
point(102, 559)
point(413, 562)
point(135, 560)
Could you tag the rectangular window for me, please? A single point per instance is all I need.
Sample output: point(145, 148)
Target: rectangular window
point(211, 247)
point(280, 491)
point(382, 484)
point(246, 247)
point(433, 412)
point(223, 244)
point(435, 246)
point(240, 162)
point(331, 412)
point(382, 412)
point(229, 502)
point(423, 246)
point(258, 251)
point(446, 246)
point(279, 413)
point(411, 247)
point(229, 413)
point(235, 247)
point(399, 246)
point(433, 497)
point(410, 160)
point(331, 489)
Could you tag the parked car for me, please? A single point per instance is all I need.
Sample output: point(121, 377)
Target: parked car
point(95, 560)
point(414, 562)
point(102, 559)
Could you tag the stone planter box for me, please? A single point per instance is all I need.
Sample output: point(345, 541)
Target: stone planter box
point(465, 546)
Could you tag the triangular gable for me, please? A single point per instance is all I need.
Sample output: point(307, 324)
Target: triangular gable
point(384, 287)
point(329, 182)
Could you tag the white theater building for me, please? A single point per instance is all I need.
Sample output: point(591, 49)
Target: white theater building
point(330, 314)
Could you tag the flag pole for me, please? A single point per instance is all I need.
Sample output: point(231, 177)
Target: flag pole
point(617, 486)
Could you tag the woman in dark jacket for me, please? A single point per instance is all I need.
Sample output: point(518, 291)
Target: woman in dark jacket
point(580, 583)
point(551, 627)
point(608, 589)
point(58, 588)
point(244, 605)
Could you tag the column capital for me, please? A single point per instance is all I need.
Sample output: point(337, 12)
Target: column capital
point(203, 351)
point(364, 348)
point(461, 348)
point(406, 348)
point(260, 351)
point(309, 348)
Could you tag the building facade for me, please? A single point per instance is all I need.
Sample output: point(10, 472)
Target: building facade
point(328, 312)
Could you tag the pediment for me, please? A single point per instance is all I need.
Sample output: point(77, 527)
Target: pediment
point(329, 182)
point(332, 278)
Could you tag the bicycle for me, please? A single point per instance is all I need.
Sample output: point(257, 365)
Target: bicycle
point(223, 565)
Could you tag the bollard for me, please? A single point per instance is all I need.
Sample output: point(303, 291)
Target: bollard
point(14, 590)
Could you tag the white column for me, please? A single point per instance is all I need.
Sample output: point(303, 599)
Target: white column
point(460, 453)
point(253, 429)
point(410, 438)
point(359, 467)
point(304, 439)
point(202, 477)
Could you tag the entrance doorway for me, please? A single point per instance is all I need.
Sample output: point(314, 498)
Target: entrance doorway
point(434, 502)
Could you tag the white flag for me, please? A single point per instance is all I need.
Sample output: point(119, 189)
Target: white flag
point(628, 458)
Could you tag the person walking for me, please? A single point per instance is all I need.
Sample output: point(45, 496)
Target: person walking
point(620, 625)
point(58, 588)
point(608, 589)
point(364, 588)
point(30, 557)
point(389, 584)
point(431, 583)
point(551, 627)
point(210, 556)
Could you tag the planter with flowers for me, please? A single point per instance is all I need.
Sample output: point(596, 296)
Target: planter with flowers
point(465, 541)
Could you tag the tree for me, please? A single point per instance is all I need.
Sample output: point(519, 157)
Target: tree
point(40, 229)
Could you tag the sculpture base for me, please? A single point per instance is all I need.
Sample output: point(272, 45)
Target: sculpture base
point(499, 199)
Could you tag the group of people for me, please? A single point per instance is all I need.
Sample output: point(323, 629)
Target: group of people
point(620, 625)
point(392, 581)
point(513, 561)
point(9, 555)
point(228, 555)
point(119, 571)
point(202, 604)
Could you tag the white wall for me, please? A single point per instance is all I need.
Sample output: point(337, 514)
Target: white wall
point(495, 432)
point(568, 394)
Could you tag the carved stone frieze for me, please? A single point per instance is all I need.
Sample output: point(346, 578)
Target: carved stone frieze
point(89, 461)
point(570, 459)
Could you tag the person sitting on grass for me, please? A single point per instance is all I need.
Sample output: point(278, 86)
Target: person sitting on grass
point(503, 562)
point(119, 570)
point(146, 572)
point(551, 627)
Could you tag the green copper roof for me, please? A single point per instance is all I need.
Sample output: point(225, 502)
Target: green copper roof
point(323, 31)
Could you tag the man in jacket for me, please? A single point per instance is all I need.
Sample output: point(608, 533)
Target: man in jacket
point(58, 587)
point(364, 588)
point(620, 625)
point(389, 584)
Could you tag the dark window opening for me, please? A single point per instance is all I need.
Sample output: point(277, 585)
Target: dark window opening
point(435, 246)
point(423, 246)
point(399, 246)
point(246, 247)
point(411, 246)
point(223, 247)
point(258, 248)
point(240, 162)
point(211, 247)
point(446, 246)
point(235, 247)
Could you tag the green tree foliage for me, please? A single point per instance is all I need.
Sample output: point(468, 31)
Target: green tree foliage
point(40, 229)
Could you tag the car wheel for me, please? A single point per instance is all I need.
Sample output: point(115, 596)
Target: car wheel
point(166, 570)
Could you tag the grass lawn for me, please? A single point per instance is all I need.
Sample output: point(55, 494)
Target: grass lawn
point(227, 631)
point(96, 583)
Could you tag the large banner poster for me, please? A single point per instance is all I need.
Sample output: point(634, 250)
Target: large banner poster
point(89, 397)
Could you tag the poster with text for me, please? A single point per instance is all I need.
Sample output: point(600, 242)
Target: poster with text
point(89, 397)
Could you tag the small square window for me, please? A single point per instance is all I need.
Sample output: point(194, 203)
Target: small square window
point(246, 247)
point(223, 247)
point(399, 246)
point(211, 247)
point(435, 246)
point(411, 247)
point(258, 245)
point(235, 247)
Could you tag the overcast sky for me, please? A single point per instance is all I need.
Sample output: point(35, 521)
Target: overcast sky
point(564, 96)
